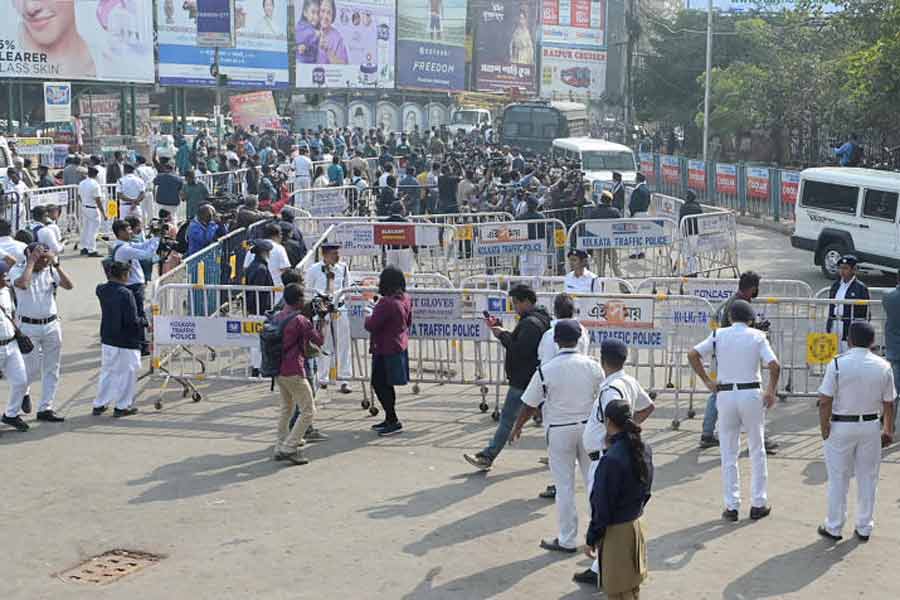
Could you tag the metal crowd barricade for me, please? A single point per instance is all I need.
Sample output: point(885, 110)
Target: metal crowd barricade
point(13, 209)
point(717, 291)
point(555, 284)
point(449, 341)
point(630, 248)
point(569, 215)
point(66, 198)
point(708, 245)
point(327, 202)
point(372, 245)
point(413, 280)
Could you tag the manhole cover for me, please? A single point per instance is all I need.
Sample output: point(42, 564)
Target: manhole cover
point(109, 566)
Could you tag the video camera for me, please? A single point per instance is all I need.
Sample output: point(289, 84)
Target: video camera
point(159, 228)
point(322, 305)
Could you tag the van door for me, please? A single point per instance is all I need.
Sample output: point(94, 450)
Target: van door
point(878, 223)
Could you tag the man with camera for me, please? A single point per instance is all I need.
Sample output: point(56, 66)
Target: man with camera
point(126, 251)
point(326, 277)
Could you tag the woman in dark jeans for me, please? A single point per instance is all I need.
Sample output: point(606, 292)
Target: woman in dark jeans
point(388, 323)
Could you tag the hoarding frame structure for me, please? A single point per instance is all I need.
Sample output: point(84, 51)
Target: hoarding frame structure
point(491, 74)
point(436, 59)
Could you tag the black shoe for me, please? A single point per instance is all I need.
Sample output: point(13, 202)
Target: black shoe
point(709, 441)
point(16, 422)
point(759, 512)
point(554, 546)
point(862, 538)
point(254, 373)
point(345, 389)
point(391, 429)
point(587, 576)
point(26, 404)
point(125, 412)
point(827, 534)
point(730, 515)
point(145, 352)
point(94, 254)
point(479, 461)
point(549, 493)
point(49, 416)
point(379, 426)
point(83, 252)
point(98, 410)
point(771, 447)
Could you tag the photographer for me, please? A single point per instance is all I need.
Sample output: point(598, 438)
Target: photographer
point(126, 251)
point(327, 277)
point(388, 324)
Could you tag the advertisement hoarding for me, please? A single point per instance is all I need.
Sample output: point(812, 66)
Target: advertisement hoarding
point(697, 175)
point(726, 179)
point(345, 44)
point(88, 40)
point(259, 58)
point(574, 22)
point(57, 102)
point(256, 108)
point(431, 44)
point(575, 73)
point(647, 166)
point(790, 186)
point(505, 42)
point(758, 183)
point(215, 23)
point(671, 168)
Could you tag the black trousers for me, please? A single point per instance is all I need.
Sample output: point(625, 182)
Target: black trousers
point(137, 289)
point(385, 392)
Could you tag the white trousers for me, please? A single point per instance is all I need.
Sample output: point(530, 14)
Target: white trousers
point(852, 447)
point(565, 448)
point(742, 409)
point(325, 363)
point(90, 226)
point(132, 210)
point(12, 366)
point(118, 376)
point(44, 360)
point(595, 566)
point(302, 183)
point(403, 259)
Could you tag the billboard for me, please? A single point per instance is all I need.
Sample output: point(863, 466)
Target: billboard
point(574, 22)
point(743, 6)
point(57, 102)
point(505, 41)
point(259, 58)
point(431, 44)
point(342, 44)
point(88, 40)
point(215, 23)
point(255, 108)
point(572, 73)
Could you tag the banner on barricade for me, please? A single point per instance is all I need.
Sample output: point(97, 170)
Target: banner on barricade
point(671, 169)
point(713, 232)
point(635, 313)
point(217, 332)
point(726, 179)
point(361, 239)
point(633, 338)
point(496, 239)
point(435, 305)
point(714, 291)
point(41, 198)
point(821, 348)
point(697, 175)
point(790, 186)
point(450, 329)
point(647, 166)
point(619, 233)
point(758, 182)
point(666, 206)
point(326, 203)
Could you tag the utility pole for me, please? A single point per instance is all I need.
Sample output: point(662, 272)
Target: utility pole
point(629, 53)
point(709, 41)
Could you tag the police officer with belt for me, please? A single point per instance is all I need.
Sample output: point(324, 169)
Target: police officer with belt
point(858, 387)
point(327, 277)
point(566, 386)
point(737, 352)
point(848, 287)
point(618, 385)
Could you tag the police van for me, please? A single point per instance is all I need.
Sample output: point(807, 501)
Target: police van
point(843, 209)
point(599, 159)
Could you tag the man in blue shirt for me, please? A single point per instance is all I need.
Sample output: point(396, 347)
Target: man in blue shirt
point(336, 171)
point(203, 230)
point(846, 152)
point(409, 186)
point(168, 188)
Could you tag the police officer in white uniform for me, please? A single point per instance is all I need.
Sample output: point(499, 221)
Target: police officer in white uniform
point(618, 385)
point(302, 175)
point(35, 286)
point(327, 277)
point(737, 352)
point(12, 365)
point(566, 386)
point(131, 189)
point(580, 280)
point(858, 387)
point(92, 211)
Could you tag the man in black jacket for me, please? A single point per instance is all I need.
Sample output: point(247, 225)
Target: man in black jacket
point(120, 331)
point(848, 287)
point(520, 364)
point(618, 192)
point(690, 208)
point(639, 205)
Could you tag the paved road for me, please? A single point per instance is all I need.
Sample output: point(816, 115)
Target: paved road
point(399, 518)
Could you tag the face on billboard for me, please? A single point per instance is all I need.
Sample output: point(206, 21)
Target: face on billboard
point(326, 14)
point(269, 8)
point(47, 23)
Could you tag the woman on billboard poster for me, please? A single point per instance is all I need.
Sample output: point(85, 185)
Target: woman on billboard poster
point(521, 46)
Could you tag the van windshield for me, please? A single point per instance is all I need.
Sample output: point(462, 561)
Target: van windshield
point(607, 161)
point(465, 117)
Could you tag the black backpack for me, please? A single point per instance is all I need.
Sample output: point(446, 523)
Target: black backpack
point(181, 241)
point(271, 343)
point(107, 261)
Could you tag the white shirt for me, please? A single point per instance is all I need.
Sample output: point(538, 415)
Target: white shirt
point(20, 188)
point(38, 301)
point(860, 384)
point(618, 386)
point(548, 349)
point(572, 381)
point(146, 173)
point(738, 351)
point(9, 246)
point(7, 330)
point(231, 155)
point(584, 284)
point(302, 166)
point(133, 254)
point(382, 180)
point(316, 279)
point(101, 179)
point(51, 236)
point(278, 262)
point(89, 190)
point(837, 310)
point(131, 186)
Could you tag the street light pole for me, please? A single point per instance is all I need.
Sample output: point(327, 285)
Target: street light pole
point(709, 40)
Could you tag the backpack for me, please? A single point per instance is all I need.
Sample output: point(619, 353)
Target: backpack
point(107, 261)
point(856, 155)
point(271, 343)
point(35, 228)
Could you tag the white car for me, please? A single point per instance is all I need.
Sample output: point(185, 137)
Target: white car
point(844, 210)
point(599, 160)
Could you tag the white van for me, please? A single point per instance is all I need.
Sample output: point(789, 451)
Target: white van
point(599, 159)
point(844, 209)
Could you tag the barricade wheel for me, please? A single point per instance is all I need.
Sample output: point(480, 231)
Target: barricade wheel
point(691, 414)
point(415, 388)
point(373, 410)
point(158, 405)
point(653, 395)
point(495, 416)
point(484, 390)
point(676, 424)
point(483, 406)
point(196, 397)
point(364, 404)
